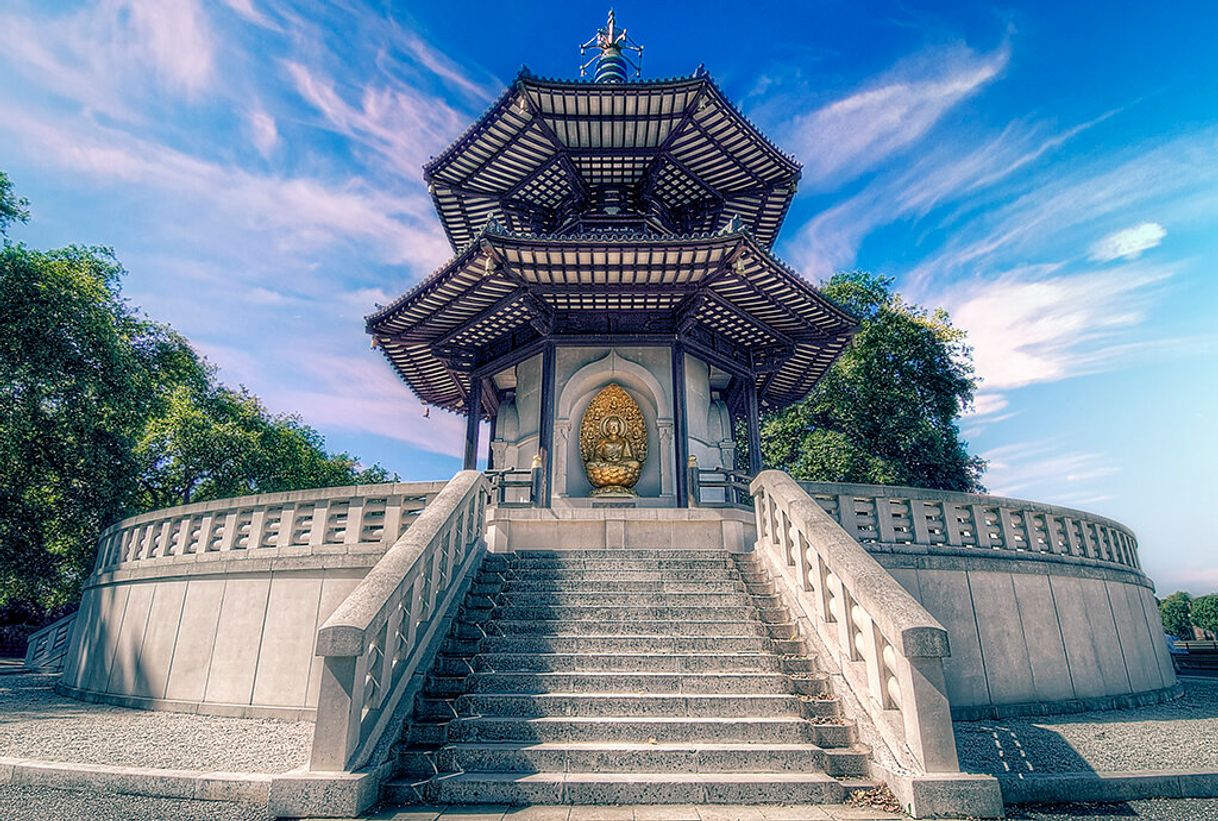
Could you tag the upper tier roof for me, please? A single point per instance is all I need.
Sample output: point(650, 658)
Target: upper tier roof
point(554, 155)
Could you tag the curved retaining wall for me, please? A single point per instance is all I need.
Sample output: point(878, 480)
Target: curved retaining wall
point(1046, 608)
point(214, 607)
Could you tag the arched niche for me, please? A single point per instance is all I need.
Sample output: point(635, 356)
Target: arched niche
point(647, 390)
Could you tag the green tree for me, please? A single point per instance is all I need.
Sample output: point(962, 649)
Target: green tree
point(1175, 613)
point(104, 413)
point(886, 412)
point(1205, 612)
point(218, 442)
point(12, 207)
point(79, 375)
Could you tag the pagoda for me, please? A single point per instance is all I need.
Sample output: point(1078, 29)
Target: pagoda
point(612, 234)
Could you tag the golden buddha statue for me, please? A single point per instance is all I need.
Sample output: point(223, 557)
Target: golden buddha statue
point(613, 442)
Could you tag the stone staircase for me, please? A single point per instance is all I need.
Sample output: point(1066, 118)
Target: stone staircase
point(625, 676)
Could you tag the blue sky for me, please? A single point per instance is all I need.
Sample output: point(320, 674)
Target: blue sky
point(1048, 172)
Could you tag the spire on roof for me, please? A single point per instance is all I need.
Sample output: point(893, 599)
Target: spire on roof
point(611, 64)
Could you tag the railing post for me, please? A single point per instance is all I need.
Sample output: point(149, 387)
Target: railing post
point(339, 704)
point(695, 482)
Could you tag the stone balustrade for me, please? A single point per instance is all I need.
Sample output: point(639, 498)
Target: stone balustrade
point(944, 520)
point(887, 646)
point(360, 517)
point(385, 631)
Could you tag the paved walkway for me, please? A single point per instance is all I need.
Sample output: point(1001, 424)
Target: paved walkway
point(36, 722)
point(1178, 735)
point(720, 812)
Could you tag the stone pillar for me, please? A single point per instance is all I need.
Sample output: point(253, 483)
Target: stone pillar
point(753, 417)
point(562, 455)
point(473, 403)
point(545, 429)
point(680, 425)
point(664, 434)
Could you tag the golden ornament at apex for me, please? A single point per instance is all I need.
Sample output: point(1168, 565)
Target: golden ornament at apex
point(613, 442)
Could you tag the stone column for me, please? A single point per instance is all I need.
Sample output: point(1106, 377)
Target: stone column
point(664, 434)
point(562, 455)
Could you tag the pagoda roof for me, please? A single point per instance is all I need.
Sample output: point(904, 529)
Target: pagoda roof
point(723, 295)
point(547, 150)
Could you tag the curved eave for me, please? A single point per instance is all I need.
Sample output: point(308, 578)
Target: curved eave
point(505, 285)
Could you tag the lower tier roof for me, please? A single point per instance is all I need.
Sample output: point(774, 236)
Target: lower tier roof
point(729, 300)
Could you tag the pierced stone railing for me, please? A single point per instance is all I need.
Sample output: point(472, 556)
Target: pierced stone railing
point(47, 647)
point(383, 633)
point(357, 518)
point(945, 520)
point(887, 647)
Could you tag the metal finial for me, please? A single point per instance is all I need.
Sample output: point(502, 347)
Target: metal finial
point(611, 64)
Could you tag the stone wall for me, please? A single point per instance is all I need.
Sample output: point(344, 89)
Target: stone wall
point(1046, 608)
point(215, 607)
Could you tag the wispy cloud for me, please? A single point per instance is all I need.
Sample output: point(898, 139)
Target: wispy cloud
point(1128, 243)
point(98, 54)
point(1058, 212)
point(401, 124)
point(264, 131)
point(947, 173)
point(1047, 464)
point(297, 212)
point(858, 132)
point(1036, 324)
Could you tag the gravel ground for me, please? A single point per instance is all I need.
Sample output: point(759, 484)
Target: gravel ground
point(39, 804)
point(1174, 736)
point(1158, 809)
point(36, 722)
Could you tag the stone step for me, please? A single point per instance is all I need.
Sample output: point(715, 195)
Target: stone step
point(629, 683)
point(658, 758)
point(633, 662)
point(594, 598)
point(588, 705)
point(628, 643)
point(567, 613)
point(688, 575)
point(525, 555)
point(668, 729)
point(576, 562)
point(605, 788)
point(633, 627)
point(526, 585)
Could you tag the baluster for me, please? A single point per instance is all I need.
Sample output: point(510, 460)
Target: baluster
point(917, 515)
point(980, 525)
point(864, 646)
point(1007, 528)
point(355, 521)
point(287, 526)
point(257, 523)
point(847, 516)
point(951, 524)
point(229, 538)
point(393, 521)
point(883, 520)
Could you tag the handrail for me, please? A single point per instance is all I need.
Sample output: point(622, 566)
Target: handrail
point(46, 648)
point(508, 479)
point(732, 485)
point(888, 647)
point(945, 520)
point(360, 517)
point(376, 639)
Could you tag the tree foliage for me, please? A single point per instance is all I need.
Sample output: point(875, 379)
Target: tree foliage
point(1204, 612)
point(886, 412)
point(104, 413)
point(1175, 613)
point(12, 207)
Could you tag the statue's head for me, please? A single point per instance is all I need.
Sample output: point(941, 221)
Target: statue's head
point(613, 426)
